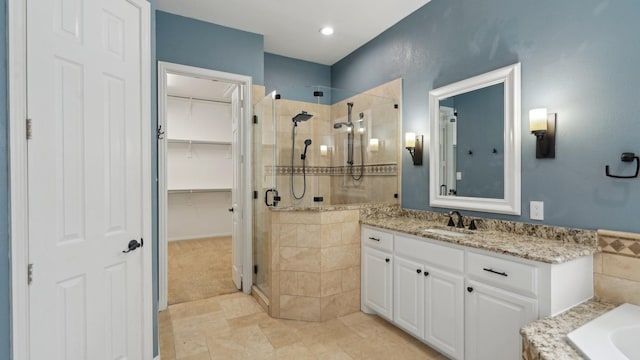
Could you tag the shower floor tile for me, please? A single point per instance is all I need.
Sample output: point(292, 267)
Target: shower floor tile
point(234, 326)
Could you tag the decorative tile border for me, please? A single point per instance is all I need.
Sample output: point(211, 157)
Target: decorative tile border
point(374, 169)
point(619, 243)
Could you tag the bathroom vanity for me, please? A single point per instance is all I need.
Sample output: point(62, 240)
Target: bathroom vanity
point(468, 294)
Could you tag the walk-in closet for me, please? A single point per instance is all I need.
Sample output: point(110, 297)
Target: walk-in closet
point(199, 181)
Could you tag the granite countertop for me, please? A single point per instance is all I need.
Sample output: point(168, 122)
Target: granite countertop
point(523, 246)
point(548, 337)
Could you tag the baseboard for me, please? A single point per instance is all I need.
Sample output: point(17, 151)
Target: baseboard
point(157, 357)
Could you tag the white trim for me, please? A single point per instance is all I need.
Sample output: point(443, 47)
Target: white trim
point(19, 225)
point(146, 133)
point(510, 76)
point(246, 176)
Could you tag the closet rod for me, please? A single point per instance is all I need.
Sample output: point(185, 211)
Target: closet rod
point(191, 191)
point(198, 99)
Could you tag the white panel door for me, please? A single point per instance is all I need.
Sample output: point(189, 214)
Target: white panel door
point(377, 280)
point(236, 198)
point(85, 185)
point(408, 296)
point(444, 311)
point(493, 321)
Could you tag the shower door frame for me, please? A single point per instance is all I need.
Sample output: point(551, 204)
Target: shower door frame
point(244, 162)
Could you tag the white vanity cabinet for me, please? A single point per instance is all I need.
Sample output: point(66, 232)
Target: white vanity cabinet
point(465, 302)
point(429, 292)
point(377, 271)
point(493, 321)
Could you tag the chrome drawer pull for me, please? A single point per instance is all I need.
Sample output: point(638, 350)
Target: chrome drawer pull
point(495, 272)
point(372, 238)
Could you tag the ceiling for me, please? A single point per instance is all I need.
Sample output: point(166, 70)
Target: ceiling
point(291, 27)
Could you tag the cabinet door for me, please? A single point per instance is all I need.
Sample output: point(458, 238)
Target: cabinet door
point(408, 296)
point(377, 281)
point(493, 321)
point(444, 311)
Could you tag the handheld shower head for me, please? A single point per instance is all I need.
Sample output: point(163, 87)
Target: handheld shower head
point(307, 142)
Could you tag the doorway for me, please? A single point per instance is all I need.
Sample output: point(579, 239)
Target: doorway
point(201, 158)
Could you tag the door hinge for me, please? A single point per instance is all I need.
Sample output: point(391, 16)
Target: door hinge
point(255, 194)
point(255, 269)
point(255, 119)
point(28, 129)
point(29, 274)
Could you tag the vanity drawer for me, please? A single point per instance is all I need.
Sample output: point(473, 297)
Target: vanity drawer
point(437, 255)
point(377, 239)
point(503, 273)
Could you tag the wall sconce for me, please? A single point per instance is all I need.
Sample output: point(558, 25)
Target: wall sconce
point(543, 126)
point(324, 150)
point(374, 144)
point(413, 143)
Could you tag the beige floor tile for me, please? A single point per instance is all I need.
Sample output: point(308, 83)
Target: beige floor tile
point(239, 329)
point(237, 307)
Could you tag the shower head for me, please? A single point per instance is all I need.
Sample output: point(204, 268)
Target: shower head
point(341, 124)
point(307, 142)
point(302, 116)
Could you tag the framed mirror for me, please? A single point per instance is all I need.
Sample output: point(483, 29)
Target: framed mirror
point(474, 161)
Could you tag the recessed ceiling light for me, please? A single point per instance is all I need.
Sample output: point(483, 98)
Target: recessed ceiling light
point(327, 30)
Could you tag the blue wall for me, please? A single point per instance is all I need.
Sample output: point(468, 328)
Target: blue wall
point(480, 128)
point(5, 265)
point(292, 78)
point(197, 43)
point(579, 59)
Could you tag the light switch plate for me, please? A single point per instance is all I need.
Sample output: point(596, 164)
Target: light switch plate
point(536, 210)
point(458, 175)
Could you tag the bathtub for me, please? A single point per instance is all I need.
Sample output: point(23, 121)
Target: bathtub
point(612, 336)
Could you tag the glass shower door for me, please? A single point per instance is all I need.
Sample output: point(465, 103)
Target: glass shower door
point(264, 181)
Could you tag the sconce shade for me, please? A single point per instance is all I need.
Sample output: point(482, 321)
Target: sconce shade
point(543, 126)
point(538, 120)
point(374, 144)
point(410, 140)
point(413, 143)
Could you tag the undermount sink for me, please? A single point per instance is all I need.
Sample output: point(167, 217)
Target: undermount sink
point(611, 336)
point(444, 232)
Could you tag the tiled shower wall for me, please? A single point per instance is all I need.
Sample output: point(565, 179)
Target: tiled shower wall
point(617, 267)
point(328, 175)
point(315, 264)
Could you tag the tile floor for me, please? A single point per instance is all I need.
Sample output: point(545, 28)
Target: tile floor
point(199, 269)
point(234, 327)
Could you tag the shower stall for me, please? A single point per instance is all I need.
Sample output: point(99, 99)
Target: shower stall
point(326, 147)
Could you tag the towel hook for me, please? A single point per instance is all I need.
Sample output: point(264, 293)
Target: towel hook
point(625, 157)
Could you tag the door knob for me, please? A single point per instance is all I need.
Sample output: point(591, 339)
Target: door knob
point(386, 260)
point(469, 289)
point(133, 244)
point(418, 271)
point(230, 209)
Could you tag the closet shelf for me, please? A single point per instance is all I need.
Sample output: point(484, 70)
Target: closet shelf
point(200, 190)
point(199, 142)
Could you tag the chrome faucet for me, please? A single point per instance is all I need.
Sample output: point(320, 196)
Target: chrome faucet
point(460, 223)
